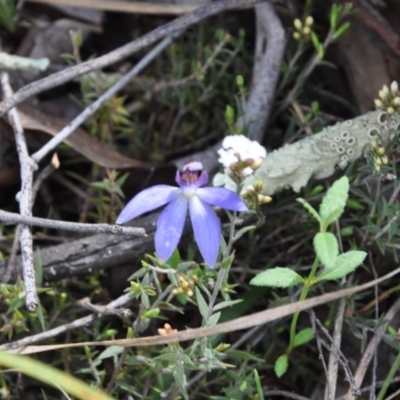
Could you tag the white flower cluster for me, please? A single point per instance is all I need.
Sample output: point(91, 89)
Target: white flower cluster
point(240, 155)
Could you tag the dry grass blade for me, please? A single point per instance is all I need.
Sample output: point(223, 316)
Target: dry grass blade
point(134, 7)
point(237, 324)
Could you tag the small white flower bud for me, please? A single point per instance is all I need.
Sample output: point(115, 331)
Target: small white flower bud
point(309, 21)
point(385, 90)
point(298, 24)
point(394, 88)
point(378, 103)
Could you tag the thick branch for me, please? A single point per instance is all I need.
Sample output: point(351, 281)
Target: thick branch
point(270, 46)
point(317, 156)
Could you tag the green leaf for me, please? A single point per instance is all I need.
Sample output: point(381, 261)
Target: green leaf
point(277, 277)
point(150, 314)
point(227, 262)
point(345, 263)
point(110, 352)
point(213, 320)
point(180, 379)
point(257, 380)
point(227, 303)
point(171, 357)
point(281, 365)
point(334, 202)
point(321, 51)
point(315, 40)
point(316, 190)
point(241, 355)
point(342, 29)
point(310, 209)
point(203, 307)
point(347, 231)
point(303, 336)
point(327, 249)
point(242, 231)
point(174, 260)
point(229, 116)
point(334, 17)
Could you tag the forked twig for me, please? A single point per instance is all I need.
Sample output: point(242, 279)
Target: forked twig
point(27, 168)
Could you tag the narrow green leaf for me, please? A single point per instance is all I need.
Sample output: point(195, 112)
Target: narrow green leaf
point(334, 202)
point(180, 379)
point(171, 357)
point(227, 303)
point(327, 249)
point(242, 231)
point(281, 365)
point(303, 336)
point(315, 40)
point(229, 116)
point(342, 29)
point(110, 352)
point(345, 263)
point(150, 314)
point(334, 17)
point(277, 277)
point(257, 380)
point(321, 51)
point(310, 209)
point(227, 262)
point(213, 320)
point(203, 307)
point(347, 231)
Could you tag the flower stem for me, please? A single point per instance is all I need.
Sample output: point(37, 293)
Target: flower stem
point(222, 271)
point(307, 285)
point(217, 287)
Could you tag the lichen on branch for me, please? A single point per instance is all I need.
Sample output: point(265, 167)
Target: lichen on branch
point(320, 155)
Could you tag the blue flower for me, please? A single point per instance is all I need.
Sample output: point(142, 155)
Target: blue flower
point(190, 195)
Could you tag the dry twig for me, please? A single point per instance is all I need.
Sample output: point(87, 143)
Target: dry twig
point(270, 46)
point(10, 218)
point(27, 168)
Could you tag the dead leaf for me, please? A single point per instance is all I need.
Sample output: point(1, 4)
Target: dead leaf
point(79, 140)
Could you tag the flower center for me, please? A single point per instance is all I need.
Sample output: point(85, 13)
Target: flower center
point(190, 176)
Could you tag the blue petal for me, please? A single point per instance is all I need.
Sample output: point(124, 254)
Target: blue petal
point(170, 226)
point(223, 198)
point(148, 200)
point(207, 229)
